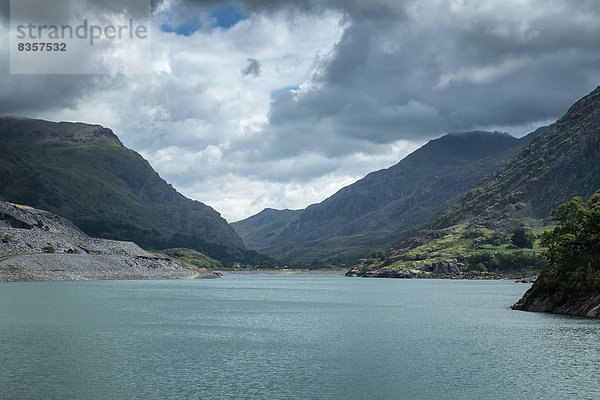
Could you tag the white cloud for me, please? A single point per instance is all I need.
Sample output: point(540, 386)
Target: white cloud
point(376, 79)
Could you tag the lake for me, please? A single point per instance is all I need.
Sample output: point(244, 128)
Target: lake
point(289, 337)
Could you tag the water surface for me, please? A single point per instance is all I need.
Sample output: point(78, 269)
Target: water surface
point(289, 337)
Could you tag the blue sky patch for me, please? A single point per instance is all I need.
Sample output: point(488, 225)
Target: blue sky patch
point(226, 15)
point(185, 20)
point(274, 93)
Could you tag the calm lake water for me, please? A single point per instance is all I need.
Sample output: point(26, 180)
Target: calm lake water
point(289, 337)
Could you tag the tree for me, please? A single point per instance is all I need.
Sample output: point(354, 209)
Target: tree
point(379, 255)
point(523, 237)
point(576, 239)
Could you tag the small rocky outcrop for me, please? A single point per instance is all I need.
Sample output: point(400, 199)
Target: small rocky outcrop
point(538, 301)
point(39, 246)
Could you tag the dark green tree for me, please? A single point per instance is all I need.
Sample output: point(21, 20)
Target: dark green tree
point(379, 255)
point(523, 237)
point(571, 281)
point(576, 239)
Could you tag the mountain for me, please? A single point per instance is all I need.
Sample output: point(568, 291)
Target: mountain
point(476, 232)
point(562, 163)
point(374, 211)
point(36, 245)
point(84, 173)
point(269, 222)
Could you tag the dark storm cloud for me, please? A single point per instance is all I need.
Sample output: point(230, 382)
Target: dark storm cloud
point(434, 69)
point(55, 10)
point(253, 68)
point(27, 95)
point(381, 9)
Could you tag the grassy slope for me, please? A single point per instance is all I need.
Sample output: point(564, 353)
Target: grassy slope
point(480, 250)
point(193, 257)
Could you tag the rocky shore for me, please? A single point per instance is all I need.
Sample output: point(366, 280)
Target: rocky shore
point(39, 246)
point(439, 270)
point(538, 301)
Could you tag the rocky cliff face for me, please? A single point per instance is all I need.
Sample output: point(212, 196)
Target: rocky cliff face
point(537, 300)
point(555, 166)
point(39, 246)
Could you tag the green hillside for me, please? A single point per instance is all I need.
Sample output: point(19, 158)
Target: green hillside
point(84, 173)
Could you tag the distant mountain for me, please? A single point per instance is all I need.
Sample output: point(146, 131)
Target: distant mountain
point(374, 211)
point(84, 173)
point(268, 223)
point(477, 231)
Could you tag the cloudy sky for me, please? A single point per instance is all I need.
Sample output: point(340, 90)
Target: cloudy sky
point(259, 103)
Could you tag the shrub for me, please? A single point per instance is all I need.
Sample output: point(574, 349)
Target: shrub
point(49, 249)
point(523, 237)
point(480, 267)
point(379, 255)
point(495, 239)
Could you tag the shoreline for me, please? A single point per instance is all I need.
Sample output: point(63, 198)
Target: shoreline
point(281, 272)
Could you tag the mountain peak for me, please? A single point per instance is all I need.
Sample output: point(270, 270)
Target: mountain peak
point(19, 128)
point(464, 146)
point(472, 134)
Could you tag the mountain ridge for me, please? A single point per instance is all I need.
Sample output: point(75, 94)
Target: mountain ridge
point(371, 212)
point(566, 153)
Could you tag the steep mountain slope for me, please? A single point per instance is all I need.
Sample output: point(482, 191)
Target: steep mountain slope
point(562, 163)
point(268, 223)
point(373, 211)
point(557, 165)
point(84, 173)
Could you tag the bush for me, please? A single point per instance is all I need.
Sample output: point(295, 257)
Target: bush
point(523, 237)
point(495, 239)
point(7, 237)
point(480, 267)
point(508, 261)
point(379, 255)
point(49, 249)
